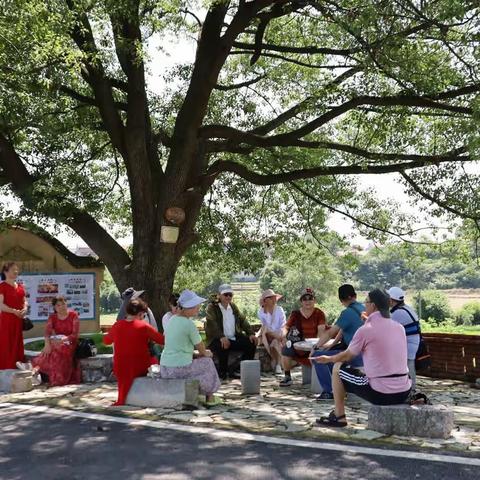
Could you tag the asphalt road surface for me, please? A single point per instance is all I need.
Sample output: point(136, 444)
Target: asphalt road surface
point(48, 445)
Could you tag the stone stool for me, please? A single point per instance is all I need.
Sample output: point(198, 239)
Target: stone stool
point(15, 381)
point(315, 384)
point(250, 376)
point(431, 421)
point(306, 374)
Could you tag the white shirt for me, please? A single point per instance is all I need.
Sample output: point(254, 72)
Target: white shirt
point(165, 319)
point(228, 321)
point(275, 321)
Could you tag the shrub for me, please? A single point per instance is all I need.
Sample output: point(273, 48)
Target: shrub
point(469, 314)
point(432, 305)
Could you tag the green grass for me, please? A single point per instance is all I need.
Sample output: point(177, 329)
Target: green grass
point(458, 329)
point(96, 337)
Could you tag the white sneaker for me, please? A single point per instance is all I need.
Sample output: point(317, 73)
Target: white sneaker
point(24, 366)
point(278, 369)
point(36, 379)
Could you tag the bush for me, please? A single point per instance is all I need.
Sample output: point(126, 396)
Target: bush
point(469, 314)
point(432, 305)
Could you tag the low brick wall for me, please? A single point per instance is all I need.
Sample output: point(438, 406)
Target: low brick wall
point(453, 356)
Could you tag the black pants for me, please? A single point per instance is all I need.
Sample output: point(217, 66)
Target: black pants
point(240, 344)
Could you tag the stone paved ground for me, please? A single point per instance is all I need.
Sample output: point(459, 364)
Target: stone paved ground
point(280, 411)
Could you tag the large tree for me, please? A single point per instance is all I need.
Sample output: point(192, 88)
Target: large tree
point(299, 97)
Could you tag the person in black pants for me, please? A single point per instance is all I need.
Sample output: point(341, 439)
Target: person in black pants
point(228, 330)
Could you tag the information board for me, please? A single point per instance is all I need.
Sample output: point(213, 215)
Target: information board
point(78, 288)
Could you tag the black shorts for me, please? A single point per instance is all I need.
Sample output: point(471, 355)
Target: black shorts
point(357, 383)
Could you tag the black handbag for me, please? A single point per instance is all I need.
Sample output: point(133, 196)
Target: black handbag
point(27, 324)
point(86, 348)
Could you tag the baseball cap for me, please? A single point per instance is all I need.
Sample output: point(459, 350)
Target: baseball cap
point(224, 288)
point(307, 291)
point(189, 299)
point(396, 293)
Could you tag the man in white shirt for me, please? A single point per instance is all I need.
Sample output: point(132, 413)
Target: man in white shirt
point(406, 316)
point(227, 329)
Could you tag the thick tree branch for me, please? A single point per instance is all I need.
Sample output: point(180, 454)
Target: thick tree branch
point(81, 222)
point(86, 99)
point(403, 162)
point(298, 50)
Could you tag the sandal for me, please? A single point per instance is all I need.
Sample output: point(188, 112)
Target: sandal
point(332, 421)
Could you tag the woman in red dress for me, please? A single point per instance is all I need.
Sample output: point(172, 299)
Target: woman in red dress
point(61, 338)
point(13, 307)
point(131, 357)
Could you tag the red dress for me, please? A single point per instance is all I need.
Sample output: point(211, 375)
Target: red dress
point(59, 364)
point(131, 357)
point(11, 327)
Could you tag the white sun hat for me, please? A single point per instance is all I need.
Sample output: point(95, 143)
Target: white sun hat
point(189, 299)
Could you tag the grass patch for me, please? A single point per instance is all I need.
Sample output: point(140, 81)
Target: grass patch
point(458, 329)
point(38, 345)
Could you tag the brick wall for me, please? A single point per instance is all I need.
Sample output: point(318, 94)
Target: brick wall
point(453, 356)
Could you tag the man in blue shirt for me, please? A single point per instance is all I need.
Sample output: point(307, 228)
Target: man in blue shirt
point(349, 321)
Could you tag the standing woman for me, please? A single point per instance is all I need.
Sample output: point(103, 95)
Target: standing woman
point(13, 308)
point(131, 356)
point(61, 338)
point(181, 338)
point(273, 321)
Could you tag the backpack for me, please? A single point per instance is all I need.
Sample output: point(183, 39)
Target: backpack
point(86, 348)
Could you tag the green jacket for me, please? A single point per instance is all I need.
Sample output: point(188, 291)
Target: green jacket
point(214, 324)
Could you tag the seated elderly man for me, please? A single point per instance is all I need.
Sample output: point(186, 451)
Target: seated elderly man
point(383, 345)
point(227, 330)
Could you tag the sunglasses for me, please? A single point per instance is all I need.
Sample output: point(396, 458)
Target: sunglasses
point(227, 294)
point(307, 298)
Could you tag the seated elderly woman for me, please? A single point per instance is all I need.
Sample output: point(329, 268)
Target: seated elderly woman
point(272, 318)
point(57, 361)
point(181, 338)
point(307, 322)
point(131, 357)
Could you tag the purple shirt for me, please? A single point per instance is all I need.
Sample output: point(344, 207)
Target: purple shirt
point(383, 345)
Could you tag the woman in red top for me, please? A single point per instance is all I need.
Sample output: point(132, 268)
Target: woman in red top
point(61, 338)
point(13, 307)
point(309, 321)
point(131, 357)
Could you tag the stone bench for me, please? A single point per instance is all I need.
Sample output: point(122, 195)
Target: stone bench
point(431, 421)
point(163, 392)
point(15, 381)
point(94, 369)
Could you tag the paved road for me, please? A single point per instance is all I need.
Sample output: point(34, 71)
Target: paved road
point(45, 446)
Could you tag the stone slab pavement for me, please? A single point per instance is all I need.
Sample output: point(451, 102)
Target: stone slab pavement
point(286, 412)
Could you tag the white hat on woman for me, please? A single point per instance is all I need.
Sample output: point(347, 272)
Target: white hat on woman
point(396, 293)
point(189, 299)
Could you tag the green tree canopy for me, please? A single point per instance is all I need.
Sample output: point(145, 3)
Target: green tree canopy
point(259, 137)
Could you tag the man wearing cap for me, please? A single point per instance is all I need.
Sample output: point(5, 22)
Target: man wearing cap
point(406, 316)
point(349, 321)
point(228, 330)
point(131, 294)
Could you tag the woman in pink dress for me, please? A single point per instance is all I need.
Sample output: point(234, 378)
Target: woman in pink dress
point(61, 337)
point(13, 307)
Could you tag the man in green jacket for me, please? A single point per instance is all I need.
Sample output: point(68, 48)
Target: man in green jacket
point(227, 329)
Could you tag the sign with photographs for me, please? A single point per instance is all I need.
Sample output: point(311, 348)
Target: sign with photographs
point(40, 288)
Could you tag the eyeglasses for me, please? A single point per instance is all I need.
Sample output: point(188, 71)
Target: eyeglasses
point(307, 298)
point(227, 294)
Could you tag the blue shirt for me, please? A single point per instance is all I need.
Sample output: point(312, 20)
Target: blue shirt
point(349, 320)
